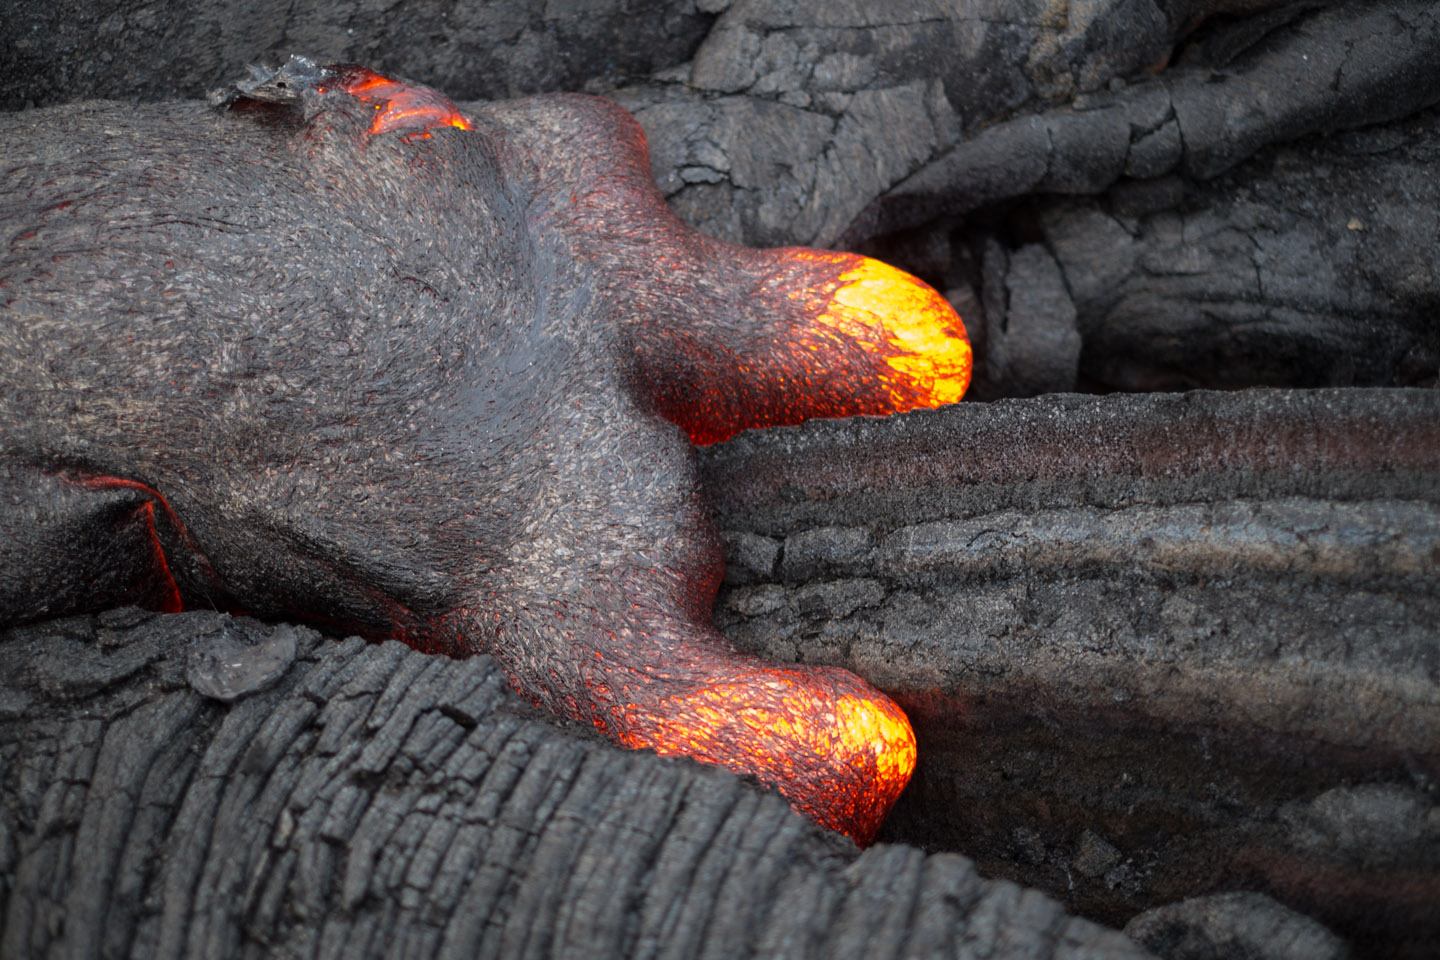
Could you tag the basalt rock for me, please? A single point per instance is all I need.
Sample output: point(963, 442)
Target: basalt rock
point(1234, 925)
point(55, 53)
point(1325, 68)
point(1153, 646)
point(372, 801)
point(1307, 266)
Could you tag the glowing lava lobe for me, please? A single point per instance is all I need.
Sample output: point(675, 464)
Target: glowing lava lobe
point(902, 322)
point(860, 338)
point(840, 751)
point(724, 337)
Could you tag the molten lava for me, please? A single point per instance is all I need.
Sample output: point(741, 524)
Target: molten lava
point(901, 320)
point(840, 751)
point(856, 337)
point(399, 106)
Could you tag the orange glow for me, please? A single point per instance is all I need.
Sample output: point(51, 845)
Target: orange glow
point(840, 751)
point(826, 335)
point(881, 731)
point(401, 106)
point(901, 319)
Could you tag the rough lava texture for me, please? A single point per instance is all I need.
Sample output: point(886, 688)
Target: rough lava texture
point(1153, 646)
point(1234, 925)
point(369, 801)
point(57, 52)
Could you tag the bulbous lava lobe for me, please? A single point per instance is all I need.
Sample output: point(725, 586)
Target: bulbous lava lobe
point(349, 353)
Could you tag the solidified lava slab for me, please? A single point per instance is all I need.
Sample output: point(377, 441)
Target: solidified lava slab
point(1153, 646)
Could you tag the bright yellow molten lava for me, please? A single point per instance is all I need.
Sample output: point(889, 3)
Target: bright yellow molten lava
point(925, 330)
point(901, 318)
point(840, 756)
point(864, 727)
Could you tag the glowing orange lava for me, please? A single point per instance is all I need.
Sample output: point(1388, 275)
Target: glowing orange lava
point(900, 319)
point(834, 335)
point(401, 106)
point(840, 751)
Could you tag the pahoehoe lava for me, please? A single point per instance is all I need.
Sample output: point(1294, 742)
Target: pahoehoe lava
point(337, 351)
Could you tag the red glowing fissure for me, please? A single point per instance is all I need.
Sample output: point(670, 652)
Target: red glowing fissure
point(171, 602)
point(400, 106)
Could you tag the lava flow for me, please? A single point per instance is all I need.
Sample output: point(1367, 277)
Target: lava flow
point(840, 751)
point(902, 321)
point(416, 383)
point(832, 335)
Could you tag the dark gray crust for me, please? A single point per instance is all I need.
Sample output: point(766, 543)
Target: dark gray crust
point(125, 50)
point(378, 802)
point(1153, 646)
point(1234, 924)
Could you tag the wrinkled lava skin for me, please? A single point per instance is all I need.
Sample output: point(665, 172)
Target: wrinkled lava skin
point(358, 360)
